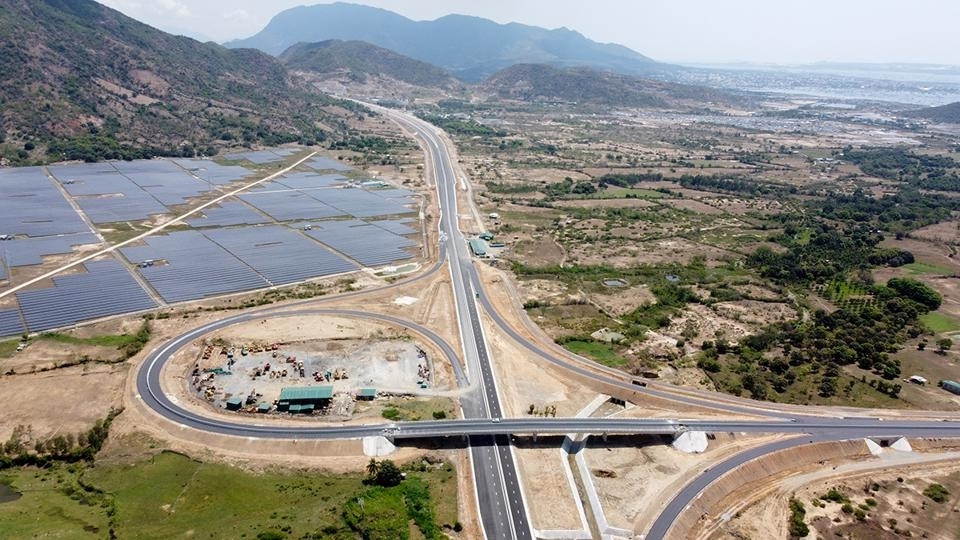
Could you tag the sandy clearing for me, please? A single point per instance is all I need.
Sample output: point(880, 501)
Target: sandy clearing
point(767, 513)
point(546, 487)
point(633, 474)
point(66, 400)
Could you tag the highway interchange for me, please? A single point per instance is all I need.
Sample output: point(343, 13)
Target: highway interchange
point(503, 511)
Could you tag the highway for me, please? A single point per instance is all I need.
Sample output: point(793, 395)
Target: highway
point(500, 497)
point(499, 494)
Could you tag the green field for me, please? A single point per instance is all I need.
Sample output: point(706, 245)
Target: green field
point(171, 495)
point(919, 268)
point(615, 192)
point(939, 323)
point(8, 347)
point(417, 409)
point(601, 352)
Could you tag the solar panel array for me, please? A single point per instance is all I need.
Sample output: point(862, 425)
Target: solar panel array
point(164, 180)
point(10, 322)
point(106, 289)
point(326, 164)
point(226, 214)
point(197, 267)
point(305, 180)
point(368, 244)
point(290, 205)
point(214, 172)
point(359, 203)
point(27, 251)
point(261, 157)
point(33, 206)
point(280, 254)
point(190, 264)
point(399, 227)
point(105, 195)
point(404, 196)
point(128, 190)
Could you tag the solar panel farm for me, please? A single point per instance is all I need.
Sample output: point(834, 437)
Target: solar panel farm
point(319, 219)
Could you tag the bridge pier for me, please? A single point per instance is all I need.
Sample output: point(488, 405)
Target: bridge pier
point(691, 442)
point(378, 446)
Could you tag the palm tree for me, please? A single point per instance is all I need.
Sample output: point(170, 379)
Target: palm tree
point(373, 467)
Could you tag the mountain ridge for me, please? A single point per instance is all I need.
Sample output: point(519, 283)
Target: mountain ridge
point(947, 114)
point(359, 59)
point(471, 48)
point(78, 70)
point(588, 86)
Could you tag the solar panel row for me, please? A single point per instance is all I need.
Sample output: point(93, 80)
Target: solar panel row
point(368, 244)
point(33, 206)
point(261, 157)
point(196, 267)
point(214, 172)
point(399, 227)
point(10, 322)
point(27, 251)
point(326, 164)
point(304, 180)
point(280, 254)
point(105, 289)
point(228, 213)
point(290, 205)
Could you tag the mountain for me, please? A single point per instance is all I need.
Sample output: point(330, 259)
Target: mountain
point(94, 83)
point(581, 85)
point(469, 47)
point(360, 60)
point(944, 114)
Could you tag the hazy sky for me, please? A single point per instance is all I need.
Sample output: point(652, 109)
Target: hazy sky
point(691, 31)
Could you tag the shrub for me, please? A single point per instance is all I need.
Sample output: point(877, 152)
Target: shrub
point(798, 528)
point(937, 493)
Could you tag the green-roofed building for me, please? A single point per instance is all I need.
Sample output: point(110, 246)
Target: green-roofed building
point(234, 403)
point(478, 247)
point(263, 407)
point(367, 394)
point(295, 399)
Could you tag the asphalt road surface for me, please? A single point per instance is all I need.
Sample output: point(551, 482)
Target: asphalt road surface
point(500, 498)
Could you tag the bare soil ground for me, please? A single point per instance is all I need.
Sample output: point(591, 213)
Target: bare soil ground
point(894, 480)
point(546, 488)
point(633, 475)
point(66, 400)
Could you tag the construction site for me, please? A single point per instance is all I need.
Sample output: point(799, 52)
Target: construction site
point(296, 375)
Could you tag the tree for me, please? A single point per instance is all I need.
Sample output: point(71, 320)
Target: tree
point(584, 188)
point(389, 474)
point(372, 468)
point(943, 345)
point(916, 291)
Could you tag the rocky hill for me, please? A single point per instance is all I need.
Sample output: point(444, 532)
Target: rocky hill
point(944, 114)
point(581, 85)
point(358, 60)
point(101, 84)
point(471, 48)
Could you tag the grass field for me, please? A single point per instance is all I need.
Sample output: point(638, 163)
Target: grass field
point(418, 409)
point(601, 352)
point(614, 192)
point(171, 495)
point(939, 323)
point(920, 268)
point(108, 340)
point(8, 347)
